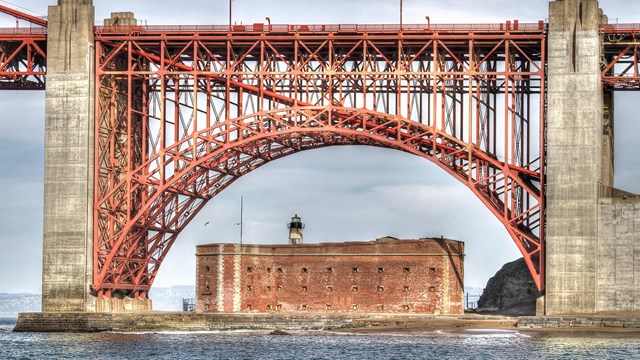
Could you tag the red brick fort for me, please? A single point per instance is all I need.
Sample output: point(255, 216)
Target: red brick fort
point(423, 276)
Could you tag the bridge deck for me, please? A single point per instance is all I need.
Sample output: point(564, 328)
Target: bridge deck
point(330, 28)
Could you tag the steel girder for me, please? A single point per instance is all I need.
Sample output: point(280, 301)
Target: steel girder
point(38, 21)
point(180, 116)
point(620, 70)
point(23, 53)
point(23, 59)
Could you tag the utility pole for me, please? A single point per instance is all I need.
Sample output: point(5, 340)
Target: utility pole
point(400, 15)
point(241, 220)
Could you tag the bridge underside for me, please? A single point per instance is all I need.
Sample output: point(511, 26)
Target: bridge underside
point(23, 60)
point(181, 115)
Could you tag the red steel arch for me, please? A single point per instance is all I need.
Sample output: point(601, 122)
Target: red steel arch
point(182, 113)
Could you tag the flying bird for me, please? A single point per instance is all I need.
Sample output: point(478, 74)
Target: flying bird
point(207, 223)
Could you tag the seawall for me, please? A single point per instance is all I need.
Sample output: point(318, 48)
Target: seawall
point(578, 322)
point(170, 321)
point(183, 321)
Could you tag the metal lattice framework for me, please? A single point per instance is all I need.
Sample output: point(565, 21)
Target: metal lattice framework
point(23, 53)
point(181, 113)
point(23, 59)
point(620, 63)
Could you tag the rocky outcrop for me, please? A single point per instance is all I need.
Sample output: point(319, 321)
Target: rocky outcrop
point(510, 292)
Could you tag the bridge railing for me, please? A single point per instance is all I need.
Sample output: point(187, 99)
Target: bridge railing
point(301, 28)
point(23, 31)
point(325, 28)
point(318, 28)
point(619, 28)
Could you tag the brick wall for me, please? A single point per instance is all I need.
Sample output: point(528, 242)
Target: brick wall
point(386, 276)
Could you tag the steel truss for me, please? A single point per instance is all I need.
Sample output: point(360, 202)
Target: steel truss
point(620, 70)
point(180, 116)
point(23, 59)
point(23, 53)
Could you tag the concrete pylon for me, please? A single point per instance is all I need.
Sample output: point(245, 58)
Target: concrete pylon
point(574, 155)
point(593, 230)
point(68, 179)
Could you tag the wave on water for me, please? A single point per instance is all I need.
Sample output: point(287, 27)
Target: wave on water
point(504, 333)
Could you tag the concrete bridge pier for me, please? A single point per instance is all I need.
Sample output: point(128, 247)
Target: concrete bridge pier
point(593, 230)
point(68, 180)
point(67, 271)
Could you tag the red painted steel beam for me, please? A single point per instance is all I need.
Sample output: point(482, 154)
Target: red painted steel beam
point(22, 61)
point(23, 16)
point(621, 71)
point(289, 101)
point(152, 179)
point(325, 29)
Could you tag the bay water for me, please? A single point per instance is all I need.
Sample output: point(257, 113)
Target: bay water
point(469, 344)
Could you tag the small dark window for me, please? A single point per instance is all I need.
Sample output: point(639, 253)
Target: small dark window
point(432, 288)
point(304, 270)
point(207, 268)
point(269, 307)
point(279, 288)
point(249, 269)
point(304, 289)
point(249, 287)
point(380, 288)
point(380, 307)
point(278, 307)
point(328, 307)
point(432, 269)
point(354, 288)
point(380, 269)
point(249, 307)
point(406, 288)
point(354, 307)
point(329, 269)
point(303, 307)
point(405, 307)
point(354, 269)
point(329, 288)
point(268, 269)
point(268, 288)
point(406, 269)
point(280, 270)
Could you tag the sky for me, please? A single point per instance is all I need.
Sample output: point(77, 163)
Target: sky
point(341, 193)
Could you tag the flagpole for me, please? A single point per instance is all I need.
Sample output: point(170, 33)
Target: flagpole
point(241, 210)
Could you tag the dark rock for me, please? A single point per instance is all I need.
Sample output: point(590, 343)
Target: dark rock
point(279, 332)
point(511, 291)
